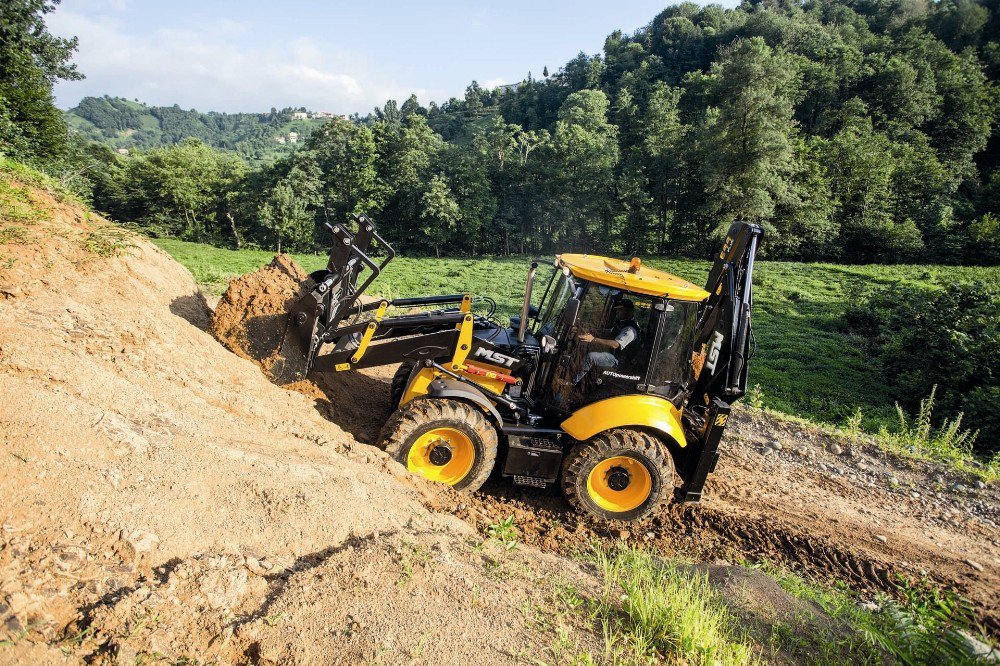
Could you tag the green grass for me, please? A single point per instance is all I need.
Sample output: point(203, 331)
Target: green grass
point(948, 443)
point(652, 612)
point(806, 364)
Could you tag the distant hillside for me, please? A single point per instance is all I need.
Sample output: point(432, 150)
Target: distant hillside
point(123, 123)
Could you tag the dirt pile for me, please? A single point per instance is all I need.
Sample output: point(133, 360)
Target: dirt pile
point(155, 489)
point(250, 317)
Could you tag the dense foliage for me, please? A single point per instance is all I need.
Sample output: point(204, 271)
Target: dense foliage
point(944, 337)
point(858, 131)
point(31, 60)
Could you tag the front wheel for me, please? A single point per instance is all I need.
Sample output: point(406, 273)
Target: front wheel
point(447, 441)
point(618, 475)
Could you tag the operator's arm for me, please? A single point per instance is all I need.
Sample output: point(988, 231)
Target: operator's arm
point(589, 337)
point(620, 341)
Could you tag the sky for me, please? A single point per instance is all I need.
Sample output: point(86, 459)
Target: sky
point(342, 57)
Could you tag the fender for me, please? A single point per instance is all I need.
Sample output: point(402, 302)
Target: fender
point(646, 411)
point(427, 384)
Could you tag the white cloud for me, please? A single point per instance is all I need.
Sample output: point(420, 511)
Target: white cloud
point(208, 69)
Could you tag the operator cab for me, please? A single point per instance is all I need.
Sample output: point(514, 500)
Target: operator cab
point(609, 328)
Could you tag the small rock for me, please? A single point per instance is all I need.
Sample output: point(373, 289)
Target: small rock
point(959, 488)
point(975, 565)
point(980, 485)
point(802, 451)
point(13, 625)
point(870, 606)
point(893, 481)
point(142, 541)
point(253, 565)
point(915, 495)
point(623, 534)
point(766, 451)
point(880, 537)
point(775, 444)
point(835, 449)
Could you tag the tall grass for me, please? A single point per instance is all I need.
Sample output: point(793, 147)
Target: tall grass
point(651, 613)
point(948, 443)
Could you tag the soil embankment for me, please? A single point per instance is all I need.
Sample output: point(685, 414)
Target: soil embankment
point(160, 498)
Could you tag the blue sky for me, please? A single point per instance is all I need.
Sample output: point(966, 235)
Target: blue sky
point(335, 56)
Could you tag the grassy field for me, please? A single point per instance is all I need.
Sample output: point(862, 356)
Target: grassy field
point(806, 365)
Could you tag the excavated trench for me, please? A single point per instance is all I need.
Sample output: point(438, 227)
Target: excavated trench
point(738, 522)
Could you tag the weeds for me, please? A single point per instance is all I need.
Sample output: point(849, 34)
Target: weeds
point(14, 234)
point(504, 532)
point(108, 241)
point(651, 612)
point(949, 443)
point(925, 627)
point(755, 396)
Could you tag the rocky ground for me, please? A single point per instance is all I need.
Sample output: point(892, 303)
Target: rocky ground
point(161, 500)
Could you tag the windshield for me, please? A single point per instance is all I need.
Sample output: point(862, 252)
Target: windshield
point(554, 299)
point(671, 369)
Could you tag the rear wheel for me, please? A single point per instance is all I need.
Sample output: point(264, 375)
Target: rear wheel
point(446, 441)
point(618, 475)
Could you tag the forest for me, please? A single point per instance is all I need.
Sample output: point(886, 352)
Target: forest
point(129, 124)
point(853, 131)
point(856, 131)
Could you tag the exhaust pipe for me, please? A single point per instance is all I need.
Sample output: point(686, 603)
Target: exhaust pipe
point(527, 302)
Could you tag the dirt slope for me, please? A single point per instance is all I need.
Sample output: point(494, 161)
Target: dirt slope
point(158, 496)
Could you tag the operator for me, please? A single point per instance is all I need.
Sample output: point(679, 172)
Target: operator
point(624, 331)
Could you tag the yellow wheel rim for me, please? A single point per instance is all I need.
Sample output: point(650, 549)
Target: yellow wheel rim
point(445, 455)
point(608, 474)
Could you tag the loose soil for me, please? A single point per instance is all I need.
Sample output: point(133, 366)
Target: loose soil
point(161, 500)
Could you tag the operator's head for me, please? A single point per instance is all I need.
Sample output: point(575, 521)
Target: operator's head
point(624, 309)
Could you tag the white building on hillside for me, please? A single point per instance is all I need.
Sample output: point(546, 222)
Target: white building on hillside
point(299, 115)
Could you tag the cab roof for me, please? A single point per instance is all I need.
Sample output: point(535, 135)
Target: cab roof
point(630, 276)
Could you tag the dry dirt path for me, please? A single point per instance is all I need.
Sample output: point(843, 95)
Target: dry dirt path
point(778, 494)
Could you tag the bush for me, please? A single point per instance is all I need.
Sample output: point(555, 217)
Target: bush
point(945, 337)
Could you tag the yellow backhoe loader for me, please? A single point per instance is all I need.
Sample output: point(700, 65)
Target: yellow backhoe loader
point(617, 385)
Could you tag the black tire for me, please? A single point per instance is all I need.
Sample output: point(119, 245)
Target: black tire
point(418, 418)
point(633, 445)
point(400, 380)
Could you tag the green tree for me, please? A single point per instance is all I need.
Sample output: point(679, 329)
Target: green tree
point(31, 61)
point(746, 140)
point(585, 152)
point(440, 213)
point(289, 210)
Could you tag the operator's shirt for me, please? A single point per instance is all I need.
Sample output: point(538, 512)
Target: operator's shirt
point(626, 337)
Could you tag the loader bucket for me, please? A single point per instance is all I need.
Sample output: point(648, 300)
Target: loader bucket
point(252, 318)
point(293, 359)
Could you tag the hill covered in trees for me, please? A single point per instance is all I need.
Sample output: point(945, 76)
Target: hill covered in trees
point(121, 123)
point(855, 131)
